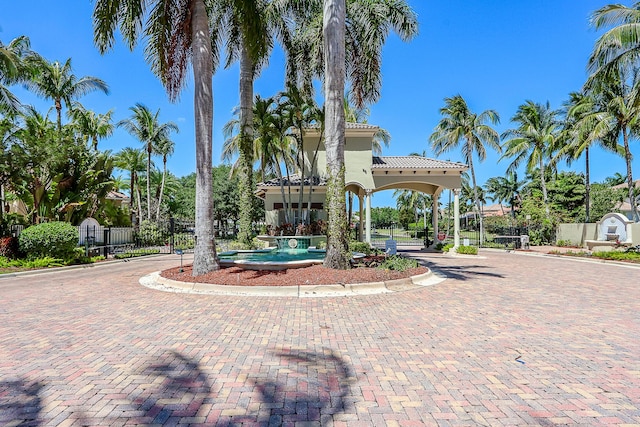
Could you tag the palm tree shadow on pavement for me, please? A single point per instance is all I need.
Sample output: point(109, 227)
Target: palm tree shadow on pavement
point(310, 387)
point(20, 403)
point(462, 272)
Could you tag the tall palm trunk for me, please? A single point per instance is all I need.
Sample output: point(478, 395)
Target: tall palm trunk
point(139, 197)
point(164, 174)
point(205, 258)
point(132, 189)
point(301, 166)
point(285, 204)
point(587, 187)
point(628, 157)
point(312, 174)
point(149, 150)
point(334, 16)
point(246, 145)
point(543, 183)
point(475, 194)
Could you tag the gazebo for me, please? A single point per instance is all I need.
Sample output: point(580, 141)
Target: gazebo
point(365, 174)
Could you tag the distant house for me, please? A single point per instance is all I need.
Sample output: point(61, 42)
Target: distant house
point(365, 174)
point(625, 206)
point(119, 199)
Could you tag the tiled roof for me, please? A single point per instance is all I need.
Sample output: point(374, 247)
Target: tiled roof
point(413, 162)
point(295, 181)
point(351, 125)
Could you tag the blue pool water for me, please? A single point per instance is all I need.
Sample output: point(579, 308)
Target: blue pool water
point(275, 255)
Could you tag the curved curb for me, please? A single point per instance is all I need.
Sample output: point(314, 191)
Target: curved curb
point(155, 281)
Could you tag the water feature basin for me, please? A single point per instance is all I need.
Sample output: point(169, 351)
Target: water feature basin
point(274, 259)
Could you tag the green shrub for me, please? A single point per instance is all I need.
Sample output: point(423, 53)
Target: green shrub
point(236, 245)
point(618, 256)
point(398, 263)
point(149, 234)
point(44, 262)
point(446, 247)
point(362, 247)
point(51, 239)
point(467, 250)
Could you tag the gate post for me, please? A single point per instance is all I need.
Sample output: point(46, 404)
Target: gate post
point(106, 238)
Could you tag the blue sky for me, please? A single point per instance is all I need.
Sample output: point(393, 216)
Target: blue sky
point(497, 54)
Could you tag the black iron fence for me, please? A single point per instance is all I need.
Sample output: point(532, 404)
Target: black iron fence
point(164, 236)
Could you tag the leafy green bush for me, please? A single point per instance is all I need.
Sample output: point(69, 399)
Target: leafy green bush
point(51, 239)
point(398, 263)
point(618, 256)
point(467, 250)
point(362, 247)
point(149, 234)
point(236, 245)
point(44, 262)
point(446, 247)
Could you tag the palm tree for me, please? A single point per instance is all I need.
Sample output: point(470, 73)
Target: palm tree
point(533, 141)
point(460, 125)
point(616, 179)
point(178, 34)
point(164, 148)
point(368, 23)
point(586, 123)
point(505, 189)
point(334, 21)
point(614, 63)
point(249, 38)
point(146, 127)
point(132, 160)
point(618, 48)
point(93, 126)
point(12, 70)
point(57, 82)
point(300, 112)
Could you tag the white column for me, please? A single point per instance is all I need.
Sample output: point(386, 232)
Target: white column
point(434, 220)
point(368, 235)
point(456, 217)
point(360, 223)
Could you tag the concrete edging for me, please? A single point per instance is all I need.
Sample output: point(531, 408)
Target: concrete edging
point(155, 281)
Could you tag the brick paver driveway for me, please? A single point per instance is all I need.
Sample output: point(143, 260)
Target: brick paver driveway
point(507, 340)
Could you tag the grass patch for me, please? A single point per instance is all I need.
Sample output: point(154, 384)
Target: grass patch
point(467, 250)
point(136, 253)
point(398, 263)
point(633, 257)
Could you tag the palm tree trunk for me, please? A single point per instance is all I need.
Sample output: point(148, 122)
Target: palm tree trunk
point(246, 145)
point(587, 187)
point(543, 183)
point(628, 157)
point(476, 197)
point(285, 204)
point(301, 166)
point(132, 186)
point(164, 174)
point(334, 17)
point(313, 171)
point(205, 258)
point(139, 197)
point(149, 149)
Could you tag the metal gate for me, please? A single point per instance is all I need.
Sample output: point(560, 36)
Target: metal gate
point(402, 237)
